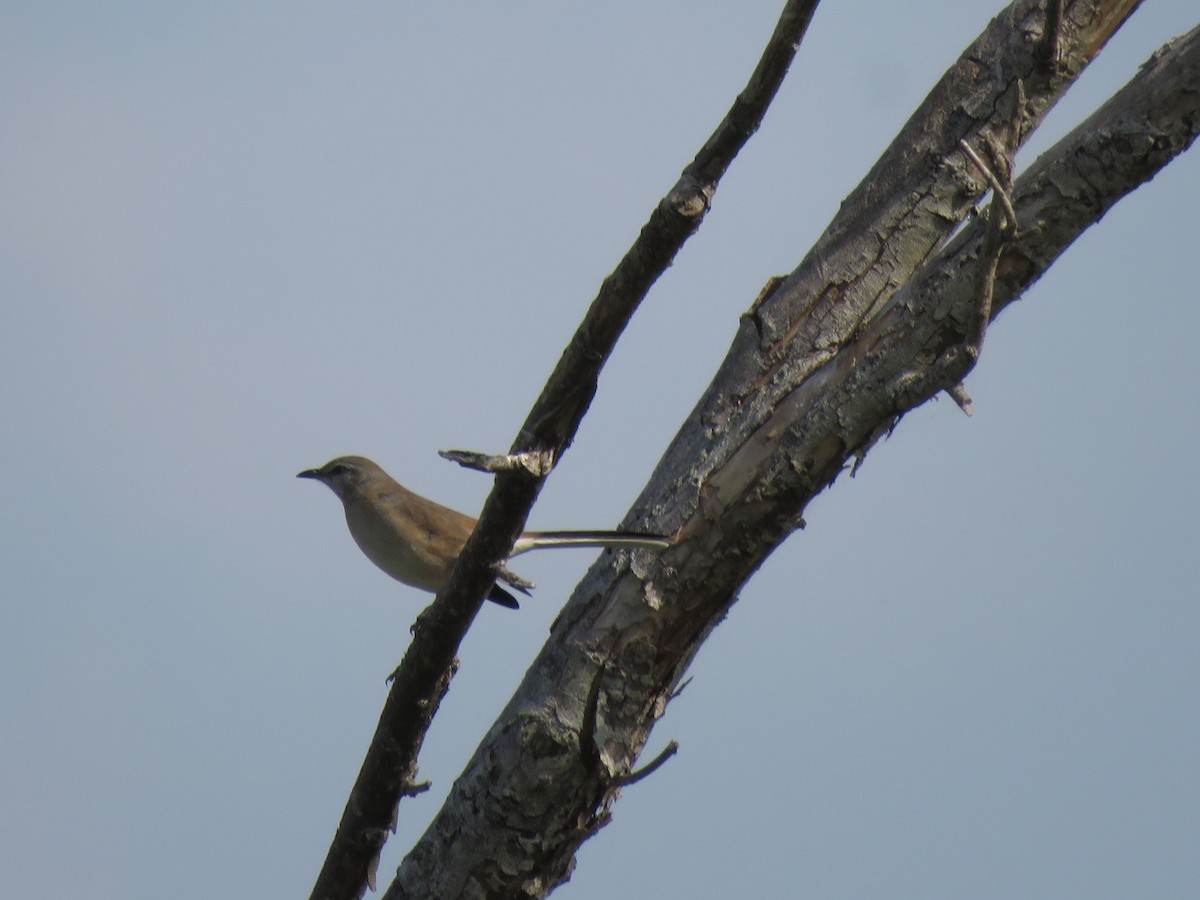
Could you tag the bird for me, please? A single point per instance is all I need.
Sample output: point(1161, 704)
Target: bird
point(416, 540)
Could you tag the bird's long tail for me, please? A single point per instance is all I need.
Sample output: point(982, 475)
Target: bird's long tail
point(533, 540)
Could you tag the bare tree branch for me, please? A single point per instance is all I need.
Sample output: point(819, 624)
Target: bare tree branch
point(821, 367)
point(424, 674)
point(1153, 119)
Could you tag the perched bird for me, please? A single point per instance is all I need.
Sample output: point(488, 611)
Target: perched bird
point(416, 541)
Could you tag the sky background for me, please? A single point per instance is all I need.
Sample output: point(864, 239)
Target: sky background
point(237, 239)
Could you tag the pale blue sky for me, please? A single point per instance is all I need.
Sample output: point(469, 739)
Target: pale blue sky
point(238, 239)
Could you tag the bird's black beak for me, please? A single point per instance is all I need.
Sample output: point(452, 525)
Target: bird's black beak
point(310, 473)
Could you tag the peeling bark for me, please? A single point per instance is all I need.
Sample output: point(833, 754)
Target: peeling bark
point(874, 321)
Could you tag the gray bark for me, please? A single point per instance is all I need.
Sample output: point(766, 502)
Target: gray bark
point(875, 320)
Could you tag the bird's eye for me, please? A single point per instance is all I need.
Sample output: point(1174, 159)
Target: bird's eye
point(339, 469)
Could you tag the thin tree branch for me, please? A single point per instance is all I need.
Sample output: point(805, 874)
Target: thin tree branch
point(424, 673)
point(1002, 228)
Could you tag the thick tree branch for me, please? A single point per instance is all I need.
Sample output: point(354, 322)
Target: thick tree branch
point(915, 345)
point(424, 674)
point(822, 366)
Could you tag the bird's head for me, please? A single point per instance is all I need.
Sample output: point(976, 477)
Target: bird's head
point(344, 475)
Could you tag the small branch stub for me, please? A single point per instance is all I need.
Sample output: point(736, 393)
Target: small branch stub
point(959, 395)
point(689, 198)
point(538, 463)
point(650, 768)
